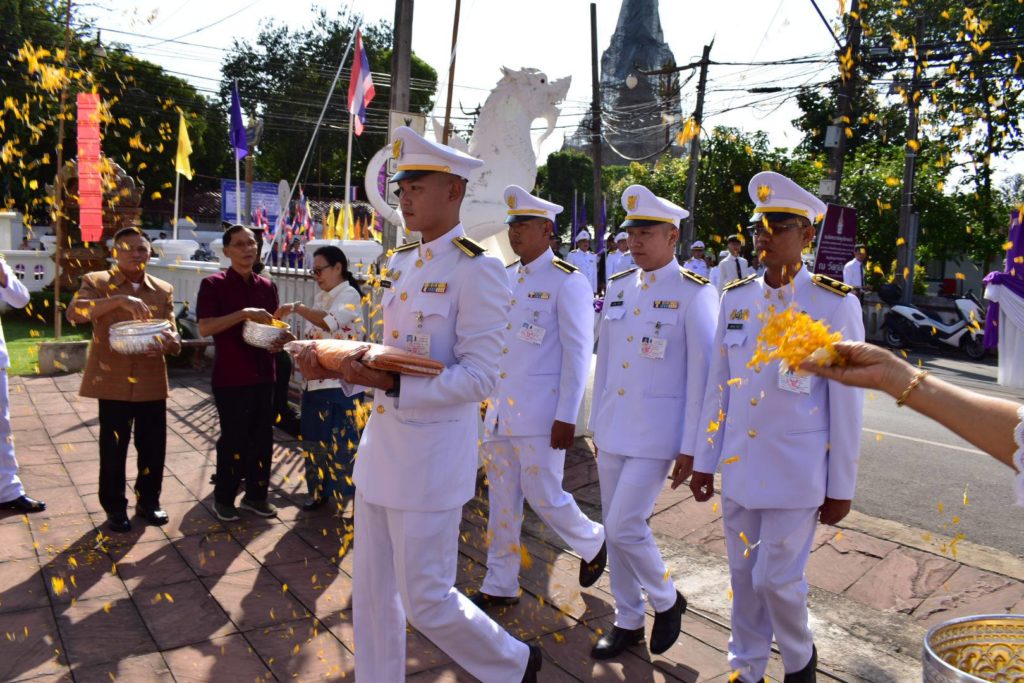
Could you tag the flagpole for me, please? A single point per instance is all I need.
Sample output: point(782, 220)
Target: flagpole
point(348, 181)
point(238, 192)
point(177, 182)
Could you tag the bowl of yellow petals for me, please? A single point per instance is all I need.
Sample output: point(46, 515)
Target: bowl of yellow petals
point(264, 336)
point(793, 337)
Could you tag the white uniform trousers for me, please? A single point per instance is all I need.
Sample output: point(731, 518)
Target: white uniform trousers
point(404, 566)
point(527, 466)
point(769, 590)
point(10, 484)
point(629, 488)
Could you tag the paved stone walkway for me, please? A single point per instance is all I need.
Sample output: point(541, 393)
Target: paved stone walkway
point(259, 600)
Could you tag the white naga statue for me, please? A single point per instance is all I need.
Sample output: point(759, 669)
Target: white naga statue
point(502, 139)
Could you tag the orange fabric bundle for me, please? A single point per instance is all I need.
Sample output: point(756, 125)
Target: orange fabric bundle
point(330, 355)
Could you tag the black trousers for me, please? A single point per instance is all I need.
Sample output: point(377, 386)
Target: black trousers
point(246, 441)
point(117, 419)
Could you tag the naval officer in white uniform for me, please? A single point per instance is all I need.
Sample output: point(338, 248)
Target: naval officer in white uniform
point(788, 445)
point(584, 259)
point(620, 259)
point(697, 263)
point(531, 415)
point(417, 460)
point(652, 364)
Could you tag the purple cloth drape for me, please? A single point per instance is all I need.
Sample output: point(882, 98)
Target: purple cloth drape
point(1012, 277)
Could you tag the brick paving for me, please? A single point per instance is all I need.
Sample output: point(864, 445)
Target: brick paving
point(262, 600)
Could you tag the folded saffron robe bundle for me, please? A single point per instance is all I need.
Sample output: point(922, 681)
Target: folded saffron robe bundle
point(314, 357)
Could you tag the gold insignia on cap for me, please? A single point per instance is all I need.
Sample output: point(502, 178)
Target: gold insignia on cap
point(396, 149)
point(631, 202)
point(511, 201)
point(764, 192)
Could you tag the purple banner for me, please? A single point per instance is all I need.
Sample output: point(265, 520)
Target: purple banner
point(836, 241)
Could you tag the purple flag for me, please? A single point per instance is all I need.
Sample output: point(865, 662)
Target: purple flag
point(1012, 277)
point(602, 229)
point(238, 140)
point(574, 228)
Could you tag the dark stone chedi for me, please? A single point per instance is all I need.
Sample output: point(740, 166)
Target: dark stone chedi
point(638, 122)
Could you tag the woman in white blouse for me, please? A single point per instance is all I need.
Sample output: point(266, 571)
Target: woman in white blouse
point(994, 425)
point(328, 418)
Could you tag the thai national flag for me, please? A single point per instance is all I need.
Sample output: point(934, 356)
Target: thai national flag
point(360, 86)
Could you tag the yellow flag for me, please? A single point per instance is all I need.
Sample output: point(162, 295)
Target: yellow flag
point(349, 233)
point(181, 163)
point(329, 224)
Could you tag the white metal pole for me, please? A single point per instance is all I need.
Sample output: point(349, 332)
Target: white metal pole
point(177, 182)
point(238, 193)
point(348, 181)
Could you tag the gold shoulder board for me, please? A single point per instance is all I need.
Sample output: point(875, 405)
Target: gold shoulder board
point(699, 279)
point(405, 247)
point(564, 266)
point(739, 283)
point(832, 285)
point(623, 273)
point(469, 247)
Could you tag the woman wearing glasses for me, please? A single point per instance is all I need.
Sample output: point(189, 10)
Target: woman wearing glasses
point(329, 430)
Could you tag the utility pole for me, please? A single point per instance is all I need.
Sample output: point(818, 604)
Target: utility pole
point(848, 62)
point(401, 56)
point(905, 258)
point(451, 75)
point(595, 115)
point(691, 173)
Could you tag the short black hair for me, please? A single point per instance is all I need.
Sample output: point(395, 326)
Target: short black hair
point(226, 239)
point(124, 232)
point(734, 238)
point(860, 247)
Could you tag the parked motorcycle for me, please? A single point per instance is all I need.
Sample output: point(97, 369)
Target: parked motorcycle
point(963, 329)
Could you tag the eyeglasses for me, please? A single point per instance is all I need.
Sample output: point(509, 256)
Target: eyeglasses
point(316, 271)
point(772, 229)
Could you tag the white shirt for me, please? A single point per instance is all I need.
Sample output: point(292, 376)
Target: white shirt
point(586, 261)
point(697, 265)
point(418, 451)
point(647, 405)
point(15, 295)
point(549, 341)
point(618, 261)
point(728, 269)
point(344, 320)
point(853, 273)
point(778, 448)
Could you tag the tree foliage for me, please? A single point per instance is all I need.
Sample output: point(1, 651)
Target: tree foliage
point(285, 74)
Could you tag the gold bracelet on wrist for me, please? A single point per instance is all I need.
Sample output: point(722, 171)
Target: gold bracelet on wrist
point(917, 378)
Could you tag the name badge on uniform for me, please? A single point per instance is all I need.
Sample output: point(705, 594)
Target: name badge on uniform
point(386, 284)
point(435, 287)
point(530, 333)
point(794, 383)
point(672, 305)
point(539, 295)
point(653, 348)
point(735, 326)
point(418, 344)
point(617, 303)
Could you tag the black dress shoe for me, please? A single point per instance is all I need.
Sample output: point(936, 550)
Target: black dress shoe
point(155, 516)
point(119, 523)
point(314, 504)
point(591, 571)
point(24, 504)
point(667, 625)
point(808, 674)
point(533, 665)
point(485, 601)
point(615, 641)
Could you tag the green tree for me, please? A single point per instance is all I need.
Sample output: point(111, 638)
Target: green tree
point(285, 74)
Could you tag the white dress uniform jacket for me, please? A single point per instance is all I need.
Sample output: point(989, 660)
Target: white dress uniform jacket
point(15, 295)
point(794, 448)
point(729, 269)
point(586, 262)
point(853, 273)
point(698, 266)
point(645, 406)
point(419, 450)
point(617, 262)
point(547, 348)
